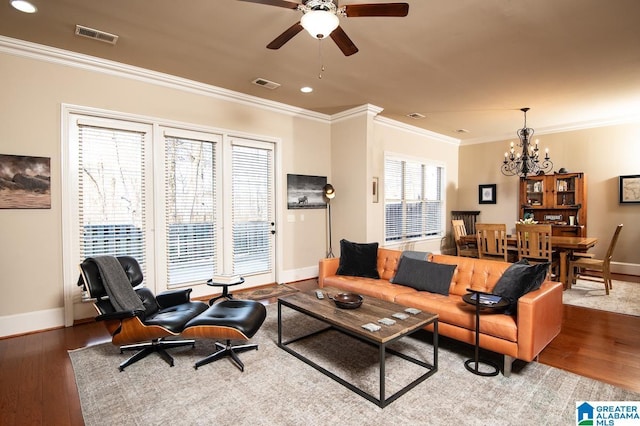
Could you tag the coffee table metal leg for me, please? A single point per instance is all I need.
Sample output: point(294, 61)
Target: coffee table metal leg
point(382, 376)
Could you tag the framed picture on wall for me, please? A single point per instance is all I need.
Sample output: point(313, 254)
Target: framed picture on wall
point(25, 182)
point(487, 194)
point(305, 192)
point(629, 189)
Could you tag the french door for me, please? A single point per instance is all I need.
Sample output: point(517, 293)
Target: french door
point(251, 236)
point(187, 204)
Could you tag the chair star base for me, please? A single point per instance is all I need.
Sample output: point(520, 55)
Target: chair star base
point(227, 351)
point(158, 346)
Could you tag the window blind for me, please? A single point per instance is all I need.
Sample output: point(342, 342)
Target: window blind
point(413, 199)
point(112, 201)
point(251, 209)
point(190, 210)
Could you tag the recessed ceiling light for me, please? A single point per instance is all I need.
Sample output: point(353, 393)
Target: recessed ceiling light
point(24, 6)
point(462, 131)
point(306, 89)
point(416, 115)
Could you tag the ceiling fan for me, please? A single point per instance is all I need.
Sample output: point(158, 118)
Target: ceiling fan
point(320, 18)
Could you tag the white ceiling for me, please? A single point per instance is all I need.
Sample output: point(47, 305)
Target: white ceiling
point(464, 64)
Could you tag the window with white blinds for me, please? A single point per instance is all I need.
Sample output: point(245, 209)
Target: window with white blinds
point(251, 209)
point(190, 209)
point(111, 192)
point(414, 206)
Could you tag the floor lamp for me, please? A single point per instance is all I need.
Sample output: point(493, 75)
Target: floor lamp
point(328, 192)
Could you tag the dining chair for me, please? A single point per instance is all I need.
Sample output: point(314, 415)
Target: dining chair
point(459, 231)
point(534, 245)
point(492, 241)
point(592, 264)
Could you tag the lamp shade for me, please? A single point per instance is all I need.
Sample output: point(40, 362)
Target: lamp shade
point(319, 23)
point(328, 191)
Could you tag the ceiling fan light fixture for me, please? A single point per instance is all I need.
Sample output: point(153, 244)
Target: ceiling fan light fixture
point(319, 23)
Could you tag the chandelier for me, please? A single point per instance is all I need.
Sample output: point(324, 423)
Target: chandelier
point(528, 162)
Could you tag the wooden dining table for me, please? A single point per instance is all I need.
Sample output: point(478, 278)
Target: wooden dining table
point(564, 245)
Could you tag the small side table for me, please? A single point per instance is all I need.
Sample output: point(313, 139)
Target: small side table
point(225, 289)
point(501, 304)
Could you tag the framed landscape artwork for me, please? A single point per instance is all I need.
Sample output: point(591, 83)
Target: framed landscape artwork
point(629, 189)
point(25, 182)
point(305, 192)
point(487, 194)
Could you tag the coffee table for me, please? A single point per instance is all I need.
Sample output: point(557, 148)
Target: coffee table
point(350, 321)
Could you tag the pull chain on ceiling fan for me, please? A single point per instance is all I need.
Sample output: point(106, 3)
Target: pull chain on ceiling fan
point(321, 18)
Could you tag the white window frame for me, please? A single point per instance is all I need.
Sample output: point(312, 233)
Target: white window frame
point(442, 213)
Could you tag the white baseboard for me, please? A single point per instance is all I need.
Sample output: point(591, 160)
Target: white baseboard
point(28, 322)
point(294, 275)
point(625, 268)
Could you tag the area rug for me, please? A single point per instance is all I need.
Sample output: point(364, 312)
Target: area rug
point(275, 290)
point(278, 389)
point(624, 298)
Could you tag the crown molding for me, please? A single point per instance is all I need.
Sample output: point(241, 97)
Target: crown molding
point(569, 127)
point(354, 112)
point(417, 130)
point(91, 63)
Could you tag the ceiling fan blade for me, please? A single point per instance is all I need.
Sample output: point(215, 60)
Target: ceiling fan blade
point(285, 36)
point(278, 3)
point(377, 9)
point(343, 41)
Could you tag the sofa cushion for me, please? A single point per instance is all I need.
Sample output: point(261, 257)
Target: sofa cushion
point(452, 310)
point(378, 288)
point(423, 275)
point(419, 255)
point(358, 259)
point(519, 279)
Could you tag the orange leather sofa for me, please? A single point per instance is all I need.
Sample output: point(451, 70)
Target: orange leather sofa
point(537, 323)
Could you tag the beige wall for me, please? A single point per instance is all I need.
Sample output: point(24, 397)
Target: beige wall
point(33, 92)
point(602, 153)
point(349, 150)
point(422, 145)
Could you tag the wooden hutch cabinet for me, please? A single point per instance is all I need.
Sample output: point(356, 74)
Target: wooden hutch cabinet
point(556, 199)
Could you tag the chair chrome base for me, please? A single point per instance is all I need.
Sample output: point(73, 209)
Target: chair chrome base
point(227, 350)
point(157, 345)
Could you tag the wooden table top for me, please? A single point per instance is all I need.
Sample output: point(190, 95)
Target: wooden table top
point(371, 311)
point(559, 242)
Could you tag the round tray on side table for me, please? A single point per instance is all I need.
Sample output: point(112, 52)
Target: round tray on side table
point(225, 289)
point(501, 304)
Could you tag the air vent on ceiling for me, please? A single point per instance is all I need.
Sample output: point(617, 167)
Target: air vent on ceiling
point(416, 115)
point(96, 34)
point(265, 83)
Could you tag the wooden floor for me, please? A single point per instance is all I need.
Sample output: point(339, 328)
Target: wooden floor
point(37, 385)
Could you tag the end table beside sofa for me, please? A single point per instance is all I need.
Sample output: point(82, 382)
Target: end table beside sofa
point(521, 335)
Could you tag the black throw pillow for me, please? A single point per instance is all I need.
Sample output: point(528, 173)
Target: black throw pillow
point(420, 255)
point(423, 275)
point(519, 279)
point(358, 259)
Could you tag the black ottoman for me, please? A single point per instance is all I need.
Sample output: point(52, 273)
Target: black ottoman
point(228, 320)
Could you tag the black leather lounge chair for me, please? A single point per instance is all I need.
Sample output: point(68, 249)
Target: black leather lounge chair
point(142, 330)
point(170, 314)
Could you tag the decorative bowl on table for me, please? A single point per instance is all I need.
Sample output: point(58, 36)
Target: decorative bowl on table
point(347, 300)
